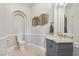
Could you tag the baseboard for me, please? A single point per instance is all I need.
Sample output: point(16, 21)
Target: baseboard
point(12, 47)
point(39, 47)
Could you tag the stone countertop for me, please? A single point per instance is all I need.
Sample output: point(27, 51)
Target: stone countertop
point(59, 39)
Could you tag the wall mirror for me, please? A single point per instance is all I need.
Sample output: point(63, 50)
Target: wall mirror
point(35, 21)
point(68, 13)
point(40, 20)
point(63, 23)
point(43, 19)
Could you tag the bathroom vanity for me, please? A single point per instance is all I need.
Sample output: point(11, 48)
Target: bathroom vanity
point(59, 46)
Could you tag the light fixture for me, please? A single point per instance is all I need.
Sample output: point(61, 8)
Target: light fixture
point(61, 4)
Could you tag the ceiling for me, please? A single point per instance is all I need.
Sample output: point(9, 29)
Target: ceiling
point(31, 4)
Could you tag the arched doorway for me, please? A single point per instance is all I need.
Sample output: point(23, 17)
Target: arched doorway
point(20, 22)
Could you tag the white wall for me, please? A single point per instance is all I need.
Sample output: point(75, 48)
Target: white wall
point(69, 12)
point(7, 22)
point(76, 28)
point(25, 9)
point(3, 20)
point(4, 28)
point(41, 31)
point(72, 13)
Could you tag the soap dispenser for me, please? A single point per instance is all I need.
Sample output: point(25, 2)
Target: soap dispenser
point(51, 28)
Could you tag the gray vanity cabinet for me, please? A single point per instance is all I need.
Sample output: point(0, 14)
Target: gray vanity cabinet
point(58, 49)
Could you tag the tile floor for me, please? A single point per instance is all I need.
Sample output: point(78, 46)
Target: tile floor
point(28, 51)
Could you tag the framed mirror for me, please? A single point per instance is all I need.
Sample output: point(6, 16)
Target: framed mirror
point(35, 21)
point(43, 19)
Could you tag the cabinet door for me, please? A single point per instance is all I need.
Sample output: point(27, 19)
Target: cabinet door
point(51, 48)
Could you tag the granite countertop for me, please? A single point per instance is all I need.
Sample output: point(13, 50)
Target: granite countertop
point(59, 39)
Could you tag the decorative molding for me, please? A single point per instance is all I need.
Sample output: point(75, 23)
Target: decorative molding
point(6, 36)
point(16, 12)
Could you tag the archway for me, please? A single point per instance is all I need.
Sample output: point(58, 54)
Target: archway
point(20, 22)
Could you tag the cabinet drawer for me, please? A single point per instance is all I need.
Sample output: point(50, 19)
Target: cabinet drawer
point(65, 46)
point(67, 52)
point(51, 52)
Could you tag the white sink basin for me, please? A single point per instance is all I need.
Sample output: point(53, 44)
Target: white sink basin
point(60, 39)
